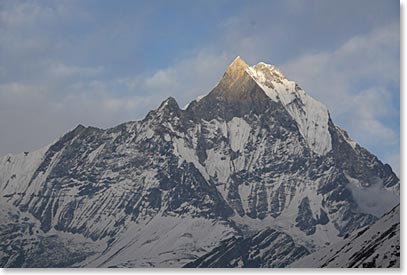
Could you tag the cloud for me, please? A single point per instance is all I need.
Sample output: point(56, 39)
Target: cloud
point(30, 118)
point(374, 199)
point(186, 79)
point(278, 31)
point(61, 70)
point(23, 13)
point(370, 107)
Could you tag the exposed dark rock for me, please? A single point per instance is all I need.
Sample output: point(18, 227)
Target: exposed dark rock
point(267, 248)
point(305, 220)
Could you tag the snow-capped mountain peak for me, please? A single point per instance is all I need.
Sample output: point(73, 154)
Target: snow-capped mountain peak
point(238, 62)
point(311, 116)
point(250, 86)
point(255, 156)
point(270, 70)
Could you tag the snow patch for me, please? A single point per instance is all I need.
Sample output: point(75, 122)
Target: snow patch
point(238, 132)
point(95, 153)
point(17, 170)
point(188, 154)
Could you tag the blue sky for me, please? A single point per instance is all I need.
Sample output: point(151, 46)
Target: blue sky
point(101, 63)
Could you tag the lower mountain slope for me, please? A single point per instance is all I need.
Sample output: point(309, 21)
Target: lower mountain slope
point(267, 248)
point(375, 246)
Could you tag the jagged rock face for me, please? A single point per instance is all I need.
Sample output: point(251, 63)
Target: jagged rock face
point(256, 151)
point(268, 248)
point(359, 163)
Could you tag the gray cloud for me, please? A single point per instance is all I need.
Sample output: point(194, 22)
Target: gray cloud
point(374, 199)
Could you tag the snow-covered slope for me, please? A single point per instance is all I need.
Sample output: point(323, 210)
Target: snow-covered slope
point(377, 245)
point(256, 152)
point(162, 241)
point(311, 116)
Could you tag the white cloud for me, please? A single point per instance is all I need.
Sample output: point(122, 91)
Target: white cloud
point(185, 80)
point(374, 199)
point(27, 14)
point(22, 13)
point(61, 70)
point(163, 79)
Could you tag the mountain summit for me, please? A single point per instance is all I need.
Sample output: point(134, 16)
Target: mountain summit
point(244, 89)
point(235, 70)
point(256, 167)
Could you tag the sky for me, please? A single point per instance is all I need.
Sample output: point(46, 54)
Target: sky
point(101, 63)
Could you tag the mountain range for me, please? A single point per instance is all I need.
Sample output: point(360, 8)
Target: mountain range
point(253, 174)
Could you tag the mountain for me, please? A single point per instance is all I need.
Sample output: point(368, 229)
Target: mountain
point(256, 153)
point(375, 246)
